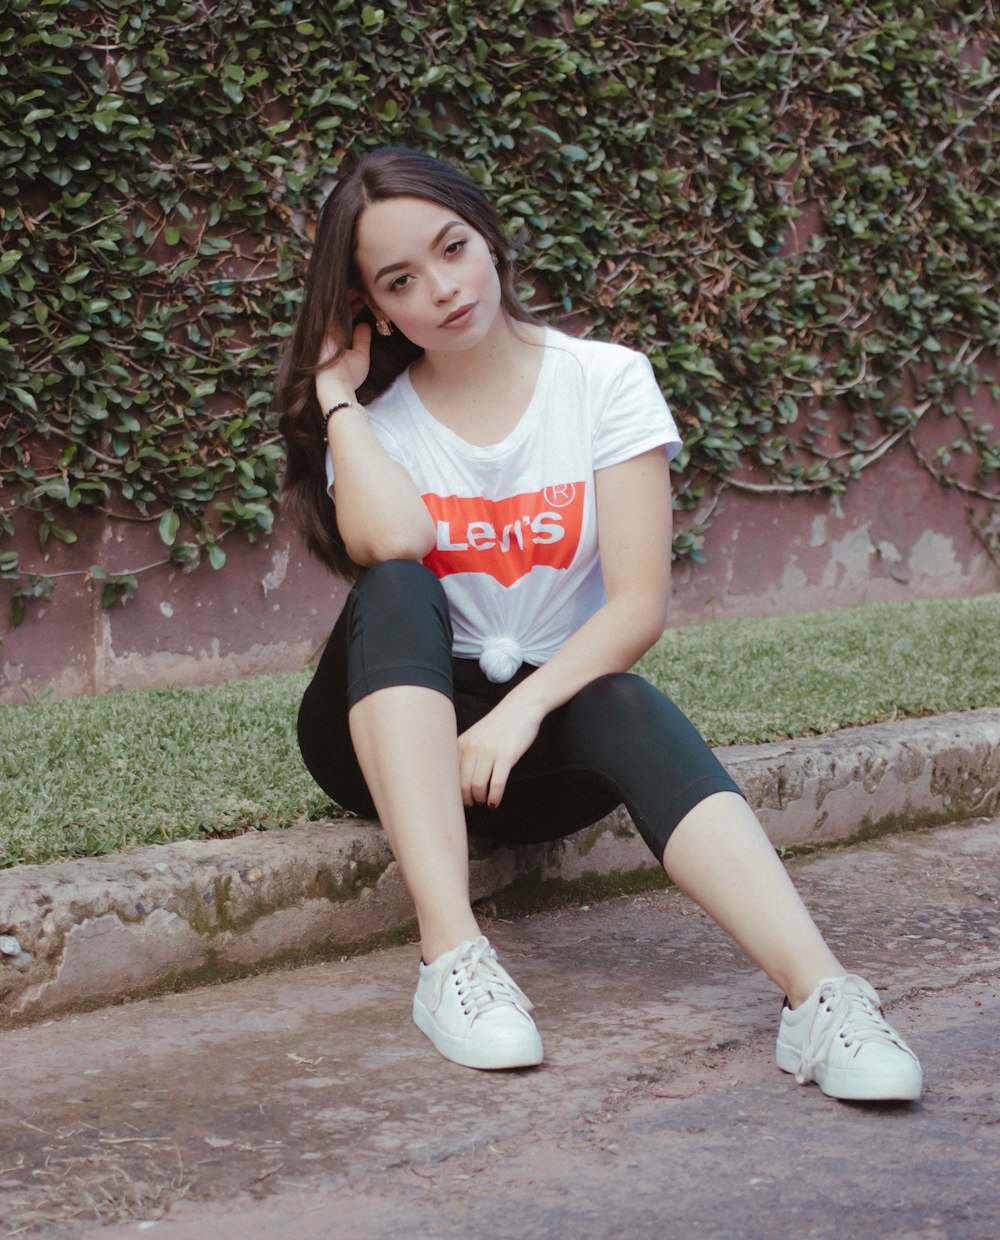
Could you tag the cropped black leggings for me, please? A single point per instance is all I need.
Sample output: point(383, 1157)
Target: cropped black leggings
point(618, 741)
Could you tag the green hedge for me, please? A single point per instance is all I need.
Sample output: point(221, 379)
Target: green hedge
point(792, 207)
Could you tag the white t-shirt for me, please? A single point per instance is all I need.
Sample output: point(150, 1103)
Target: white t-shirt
point(516, 546)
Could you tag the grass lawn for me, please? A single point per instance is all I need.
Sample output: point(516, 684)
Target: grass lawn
point(90, 776)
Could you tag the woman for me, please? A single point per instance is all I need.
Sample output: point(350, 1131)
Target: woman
point(500, 495)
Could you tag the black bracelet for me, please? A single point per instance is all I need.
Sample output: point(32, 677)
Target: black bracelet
point(341, 404)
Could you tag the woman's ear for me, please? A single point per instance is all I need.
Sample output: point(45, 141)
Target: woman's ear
point(358, 303)
point(382, 323)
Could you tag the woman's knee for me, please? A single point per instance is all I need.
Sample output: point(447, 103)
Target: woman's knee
point(392, 579)
point(627, 721)
point(649, 750)
point(398, 630)
point(398, 595)
point(623, 696)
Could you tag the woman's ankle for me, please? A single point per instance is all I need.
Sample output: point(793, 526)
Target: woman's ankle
point(435, 942)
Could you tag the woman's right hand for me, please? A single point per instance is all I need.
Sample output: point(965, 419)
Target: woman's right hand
point(342, 379)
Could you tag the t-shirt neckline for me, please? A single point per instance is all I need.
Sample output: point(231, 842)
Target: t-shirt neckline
point(509, 442)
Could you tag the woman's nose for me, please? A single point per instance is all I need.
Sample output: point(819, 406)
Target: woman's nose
point(443, 286)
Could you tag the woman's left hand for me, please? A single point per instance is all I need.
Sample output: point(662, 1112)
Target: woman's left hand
point(488, 751)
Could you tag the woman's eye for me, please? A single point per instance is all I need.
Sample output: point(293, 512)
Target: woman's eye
point(453, 247)
point(398, 283)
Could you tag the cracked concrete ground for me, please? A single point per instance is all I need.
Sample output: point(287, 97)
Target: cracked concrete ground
point(305, 1103)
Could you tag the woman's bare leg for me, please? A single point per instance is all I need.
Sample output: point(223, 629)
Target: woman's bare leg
point(406, 742)
point(468, 1006)
point(720, 856)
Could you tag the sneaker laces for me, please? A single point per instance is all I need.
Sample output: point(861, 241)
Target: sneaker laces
point(482, 981)
point(847, 1010)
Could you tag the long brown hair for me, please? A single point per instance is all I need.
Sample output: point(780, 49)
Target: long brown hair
point(391, 172)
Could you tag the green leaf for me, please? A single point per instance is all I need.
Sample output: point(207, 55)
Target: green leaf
point(26, 398)
point(170, 523)
point(436, 73)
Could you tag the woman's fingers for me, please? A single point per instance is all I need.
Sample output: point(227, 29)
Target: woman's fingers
point(362, 341)
point(474, 774)
point(350, 367)
point(483, 776)
point(490, 749)
point(497, 786)
point(332, 345)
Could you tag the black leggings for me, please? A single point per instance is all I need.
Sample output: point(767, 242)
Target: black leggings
point(617, 741)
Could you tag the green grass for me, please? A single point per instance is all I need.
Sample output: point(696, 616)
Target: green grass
point(92, 776)
point(89, 776)
point(756, 680)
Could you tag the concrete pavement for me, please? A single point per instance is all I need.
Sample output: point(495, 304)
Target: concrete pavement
point(304, 1103)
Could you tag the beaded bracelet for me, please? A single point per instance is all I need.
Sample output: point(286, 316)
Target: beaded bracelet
point(341, 404)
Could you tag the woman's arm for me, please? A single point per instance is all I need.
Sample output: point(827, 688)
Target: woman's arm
point(634, 523)
point(380, 514)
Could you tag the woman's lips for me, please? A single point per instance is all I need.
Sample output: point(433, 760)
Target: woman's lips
point(458, 317)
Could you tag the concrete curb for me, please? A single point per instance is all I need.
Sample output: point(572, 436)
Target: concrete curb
point(101, 930)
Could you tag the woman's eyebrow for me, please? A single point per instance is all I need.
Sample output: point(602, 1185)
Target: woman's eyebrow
point(384, 271)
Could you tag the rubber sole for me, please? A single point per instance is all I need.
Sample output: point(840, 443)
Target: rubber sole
point(487, 1056)
point(850, 1085)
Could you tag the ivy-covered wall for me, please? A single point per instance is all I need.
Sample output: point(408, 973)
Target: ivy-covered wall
point(791, 206)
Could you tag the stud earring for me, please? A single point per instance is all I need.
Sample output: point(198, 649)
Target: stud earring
point(383, 327)
point(494, 257)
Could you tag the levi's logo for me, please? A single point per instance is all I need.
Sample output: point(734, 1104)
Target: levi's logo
point(506, 538)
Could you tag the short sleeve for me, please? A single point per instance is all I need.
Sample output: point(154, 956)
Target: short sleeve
point(387, 441)
point(631, 416)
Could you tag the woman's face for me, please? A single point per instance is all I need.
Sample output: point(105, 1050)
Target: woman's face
point(427, 271)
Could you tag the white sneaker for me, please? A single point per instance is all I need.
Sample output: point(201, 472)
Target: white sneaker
point(473, 1012)
point(840, 1039)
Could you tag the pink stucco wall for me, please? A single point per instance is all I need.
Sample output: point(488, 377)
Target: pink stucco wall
point(267, 610)
point(896, 535)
